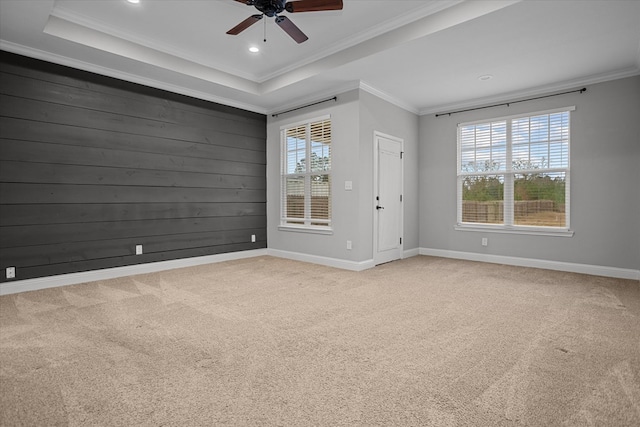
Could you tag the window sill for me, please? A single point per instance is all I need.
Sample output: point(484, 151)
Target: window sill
point(303, 229)
point(532, 231)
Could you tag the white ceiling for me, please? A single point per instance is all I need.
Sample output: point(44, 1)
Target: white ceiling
point(423, 55)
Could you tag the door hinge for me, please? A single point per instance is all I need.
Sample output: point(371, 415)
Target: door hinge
point(401, 240)
point(401, 197)
point(401, 154)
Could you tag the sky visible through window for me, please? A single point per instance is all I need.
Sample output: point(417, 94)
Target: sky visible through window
point(538, 142)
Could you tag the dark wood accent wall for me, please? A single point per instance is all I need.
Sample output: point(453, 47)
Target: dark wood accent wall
point(91, 166)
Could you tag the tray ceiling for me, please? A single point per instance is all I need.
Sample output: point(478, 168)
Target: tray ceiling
point(421, 55)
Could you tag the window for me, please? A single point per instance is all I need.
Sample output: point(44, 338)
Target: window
point(513, 173)
point(306, 175)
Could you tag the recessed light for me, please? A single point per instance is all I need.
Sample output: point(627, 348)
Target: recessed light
point(485, 77)
point(134, 1)
point(254, 49)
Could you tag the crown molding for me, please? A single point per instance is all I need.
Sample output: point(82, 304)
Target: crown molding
point(109, 72)
point(390, 99)
point(349, 86)
point(77, 33)
point(541, 90)
point(101, 27)
point(315, 97)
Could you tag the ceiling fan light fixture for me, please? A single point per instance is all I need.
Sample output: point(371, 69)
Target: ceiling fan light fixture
point(254, 49)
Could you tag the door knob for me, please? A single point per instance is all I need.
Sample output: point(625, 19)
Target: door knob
point(379, 207)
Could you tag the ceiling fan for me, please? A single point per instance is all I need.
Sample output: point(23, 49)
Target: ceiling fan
point(272, 8)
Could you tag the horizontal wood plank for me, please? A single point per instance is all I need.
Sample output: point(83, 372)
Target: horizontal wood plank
point(51, 214)
point(104, 85)
point(23, 87)
point(63, 193)
point(57, 253)
point(39, 111)
point(30, 235)
point(38, 152)
point(245, 148)
point(45, 173)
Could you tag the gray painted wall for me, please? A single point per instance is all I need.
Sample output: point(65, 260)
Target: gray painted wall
point(379, 115)
point(345, 160)
point(355, 117)
point(605, 181)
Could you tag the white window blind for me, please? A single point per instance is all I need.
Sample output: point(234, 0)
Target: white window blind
point(306, 174)
point(514, 172)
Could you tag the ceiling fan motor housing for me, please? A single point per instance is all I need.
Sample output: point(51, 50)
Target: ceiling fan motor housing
point(270, 7)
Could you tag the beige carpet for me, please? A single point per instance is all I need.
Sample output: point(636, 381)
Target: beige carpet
point(272, 342)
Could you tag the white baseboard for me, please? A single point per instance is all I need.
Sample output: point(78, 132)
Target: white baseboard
point(411, 253)
point(334, 262)
point(595, 270)
point(129, 270)
point(329, 262)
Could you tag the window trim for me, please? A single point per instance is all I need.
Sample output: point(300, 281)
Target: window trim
point(508, 197)
point(519, 229)
point(284, 224)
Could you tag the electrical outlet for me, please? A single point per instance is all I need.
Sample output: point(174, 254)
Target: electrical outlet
point(485, 241)
point(138, 249)
point(11, 272)
point(253, 238)
point(349, 244)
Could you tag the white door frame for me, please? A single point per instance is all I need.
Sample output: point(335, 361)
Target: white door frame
point(376, 136)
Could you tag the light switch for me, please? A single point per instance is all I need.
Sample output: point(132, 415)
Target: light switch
point(348, 185)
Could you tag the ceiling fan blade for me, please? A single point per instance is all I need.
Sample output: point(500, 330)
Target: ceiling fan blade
point(247, 2)
point(291, 29)
point(244, 25)
point(313, 5)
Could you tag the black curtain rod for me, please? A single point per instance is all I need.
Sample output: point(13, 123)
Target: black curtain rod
point(584, 89)
point(335, 98)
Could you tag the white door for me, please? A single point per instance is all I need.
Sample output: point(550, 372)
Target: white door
point(388, 212)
